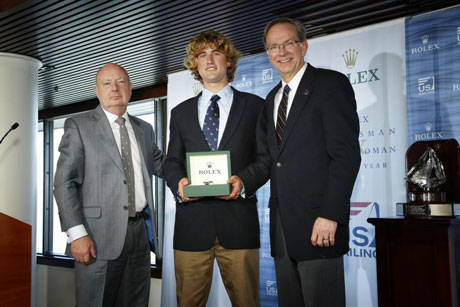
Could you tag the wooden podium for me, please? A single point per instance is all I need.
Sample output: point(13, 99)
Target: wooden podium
point(15, 261)
point(418, 261)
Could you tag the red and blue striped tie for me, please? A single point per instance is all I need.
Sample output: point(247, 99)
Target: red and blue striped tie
point(282, 115)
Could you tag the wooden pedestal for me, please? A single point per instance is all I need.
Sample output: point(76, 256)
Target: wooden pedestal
point(15, 262)
point(418, 261)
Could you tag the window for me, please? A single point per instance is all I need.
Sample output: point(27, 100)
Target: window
point(40, 146)
point(50, 239)
point(59, 238)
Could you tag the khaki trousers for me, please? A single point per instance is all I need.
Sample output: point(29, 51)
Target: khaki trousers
point(239, 269)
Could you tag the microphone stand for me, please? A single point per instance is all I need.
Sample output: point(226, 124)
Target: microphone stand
point(14, 126)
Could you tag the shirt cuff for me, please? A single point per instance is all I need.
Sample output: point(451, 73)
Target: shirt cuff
point(76, 232)
point(178, 198)
point(243, 192)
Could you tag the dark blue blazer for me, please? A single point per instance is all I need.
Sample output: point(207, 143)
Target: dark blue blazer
point(235, 223)
point(313, 172)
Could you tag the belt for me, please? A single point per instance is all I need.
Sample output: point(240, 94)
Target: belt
point(139, 215)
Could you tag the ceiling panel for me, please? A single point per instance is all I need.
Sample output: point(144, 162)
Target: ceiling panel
point(148, 38)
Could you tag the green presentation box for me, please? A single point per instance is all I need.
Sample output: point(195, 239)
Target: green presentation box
point(208, 173)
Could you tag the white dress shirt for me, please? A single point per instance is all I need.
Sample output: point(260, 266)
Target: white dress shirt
point(293, 85)
point(79, 231)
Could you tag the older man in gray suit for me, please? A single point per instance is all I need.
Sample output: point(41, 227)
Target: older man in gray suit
point(103, 188)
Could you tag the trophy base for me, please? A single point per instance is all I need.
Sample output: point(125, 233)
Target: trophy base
point(427, 210)
point(207, 190)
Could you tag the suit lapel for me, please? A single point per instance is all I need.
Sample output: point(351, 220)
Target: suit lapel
point(236, 111)
point(193, 123)
point(271, 124)
point(301, 99)
point(140, 136)
point(106, 136)
point(150, 209)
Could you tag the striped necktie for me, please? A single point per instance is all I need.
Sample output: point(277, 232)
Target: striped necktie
point(282, 115)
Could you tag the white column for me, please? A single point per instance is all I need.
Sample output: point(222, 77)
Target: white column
point(18, 162)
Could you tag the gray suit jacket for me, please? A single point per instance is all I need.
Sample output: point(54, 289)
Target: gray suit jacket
point(89, 185)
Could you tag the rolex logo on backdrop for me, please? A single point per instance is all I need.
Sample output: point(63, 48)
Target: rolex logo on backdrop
point(429, 133)
point(424, 39)
point(242, 82)
point(350, 58)
point(428, 126)
point(426, 45)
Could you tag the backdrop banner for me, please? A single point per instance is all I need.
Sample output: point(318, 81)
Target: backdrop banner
point(256, 75)
point(373, 60)
point(433, 75)
point(182, 86)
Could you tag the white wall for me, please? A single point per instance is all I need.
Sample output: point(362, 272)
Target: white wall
point(55, 287)
point(18, 163)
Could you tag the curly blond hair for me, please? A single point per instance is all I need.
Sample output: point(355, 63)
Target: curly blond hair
point(216, 39)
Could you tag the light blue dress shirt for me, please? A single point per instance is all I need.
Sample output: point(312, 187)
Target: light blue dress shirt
point(225, 104)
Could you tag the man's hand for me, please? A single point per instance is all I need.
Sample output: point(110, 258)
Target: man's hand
point(323, 234)
point(180, 186)
point(237, 185)
point(82, 248)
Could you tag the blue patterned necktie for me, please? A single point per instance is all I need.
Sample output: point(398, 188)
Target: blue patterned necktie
point(282, 115)
point(211, 123)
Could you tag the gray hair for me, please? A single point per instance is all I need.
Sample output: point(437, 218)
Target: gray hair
point(300, 28)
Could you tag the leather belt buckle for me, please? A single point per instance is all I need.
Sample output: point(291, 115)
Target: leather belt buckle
point(138, 216)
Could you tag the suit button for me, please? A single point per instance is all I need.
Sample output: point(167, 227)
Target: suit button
point(124, 181)
point(125, 207)
point(278, 164)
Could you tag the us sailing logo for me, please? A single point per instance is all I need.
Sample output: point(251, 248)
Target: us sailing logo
point(362, 234)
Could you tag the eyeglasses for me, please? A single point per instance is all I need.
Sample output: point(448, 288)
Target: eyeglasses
point(287, 45)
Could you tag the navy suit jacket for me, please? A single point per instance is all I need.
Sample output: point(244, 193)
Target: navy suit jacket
point(235, 222)
point(313, 172)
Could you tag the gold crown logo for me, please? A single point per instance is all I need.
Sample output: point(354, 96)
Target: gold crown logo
point(350, 57)
point(197, 87)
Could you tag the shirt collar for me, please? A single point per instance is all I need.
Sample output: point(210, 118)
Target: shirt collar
point(225, 95)
point(294, 83)
point(112, 117)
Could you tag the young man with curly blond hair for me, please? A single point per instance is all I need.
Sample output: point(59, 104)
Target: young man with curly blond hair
point(225, 228)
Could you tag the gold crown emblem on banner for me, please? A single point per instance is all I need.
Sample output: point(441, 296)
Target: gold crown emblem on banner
point(350, 57)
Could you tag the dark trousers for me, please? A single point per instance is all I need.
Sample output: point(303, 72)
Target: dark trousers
point(309, 283)
point(124, 281)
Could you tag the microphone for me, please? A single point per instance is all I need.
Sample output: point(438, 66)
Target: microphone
point(14, 126)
